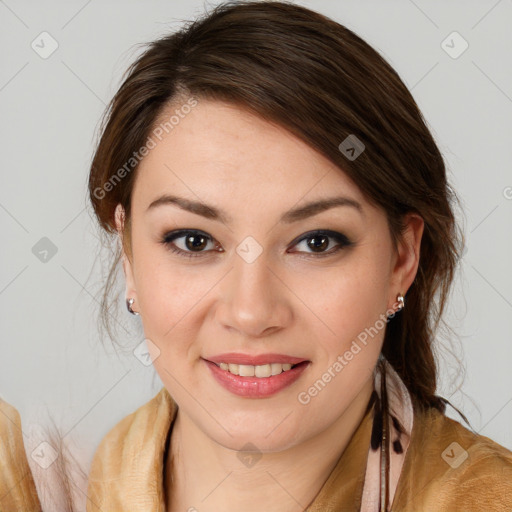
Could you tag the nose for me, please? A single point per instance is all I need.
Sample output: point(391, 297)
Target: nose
point(254, 301)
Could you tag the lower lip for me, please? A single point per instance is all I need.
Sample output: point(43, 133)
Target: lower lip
point(256, 387)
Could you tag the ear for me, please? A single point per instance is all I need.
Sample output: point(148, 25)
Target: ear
point(131, 291)
point(407, 257)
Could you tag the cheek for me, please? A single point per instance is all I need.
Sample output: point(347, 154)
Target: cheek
point(167, 295)
point(354, 296)
point(354, 310)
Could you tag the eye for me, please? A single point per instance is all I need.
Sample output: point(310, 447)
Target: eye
point(319, 242)
point(194, 243)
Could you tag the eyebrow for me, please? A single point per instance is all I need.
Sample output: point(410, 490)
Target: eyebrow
point(293, 215)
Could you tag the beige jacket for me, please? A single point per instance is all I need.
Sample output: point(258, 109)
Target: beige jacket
point(17, 489)
point(127, 469)
point(447, 468)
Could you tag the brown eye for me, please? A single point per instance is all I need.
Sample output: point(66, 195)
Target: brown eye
point(192, 242)
point(195, 242)
point(319, 241)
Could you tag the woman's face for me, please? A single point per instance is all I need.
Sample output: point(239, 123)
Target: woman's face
point(252, 278)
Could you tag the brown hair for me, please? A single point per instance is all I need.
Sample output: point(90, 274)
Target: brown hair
point(318, 79)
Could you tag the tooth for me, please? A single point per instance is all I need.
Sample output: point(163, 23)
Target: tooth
point(246, 370)
point(276, 368)
point(233, 368)
point(263, 370)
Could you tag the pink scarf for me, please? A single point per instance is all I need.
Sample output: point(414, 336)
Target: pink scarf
point(400, 407)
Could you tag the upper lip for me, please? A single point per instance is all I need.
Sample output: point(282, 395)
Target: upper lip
point(236, 358)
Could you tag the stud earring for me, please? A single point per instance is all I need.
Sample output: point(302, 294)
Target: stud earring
point(129, 303)
point(401, 301)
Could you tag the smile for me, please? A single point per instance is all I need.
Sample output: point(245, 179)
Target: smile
point(258, 381)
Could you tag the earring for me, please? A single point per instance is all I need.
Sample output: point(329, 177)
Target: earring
point(401, 301)
point(129, 303)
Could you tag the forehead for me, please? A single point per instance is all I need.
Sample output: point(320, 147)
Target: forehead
point(224, 152)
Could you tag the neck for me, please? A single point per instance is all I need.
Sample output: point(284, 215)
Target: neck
point(203, 475)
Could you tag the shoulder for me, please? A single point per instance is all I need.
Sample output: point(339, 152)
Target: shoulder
point(130, 455)
point(127, 436)
point(448, 467)
point(17, 487)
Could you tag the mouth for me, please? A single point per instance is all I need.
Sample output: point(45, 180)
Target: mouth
point(259, 366)
point(260, 371)
point(256, 381)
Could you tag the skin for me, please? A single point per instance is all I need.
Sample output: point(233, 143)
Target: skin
point(290, 300)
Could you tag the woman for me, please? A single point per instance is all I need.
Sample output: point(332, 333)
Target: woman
point(288, 241)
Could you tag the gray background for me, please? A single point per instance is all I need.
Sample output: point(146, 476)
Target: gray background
point(52, 363)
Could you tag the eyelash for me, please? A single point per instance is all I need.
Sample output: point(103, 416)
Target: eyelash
point(169, 238)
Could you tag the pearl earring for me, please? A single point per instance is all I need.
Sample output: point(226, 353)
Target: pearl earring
point(129, 303)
